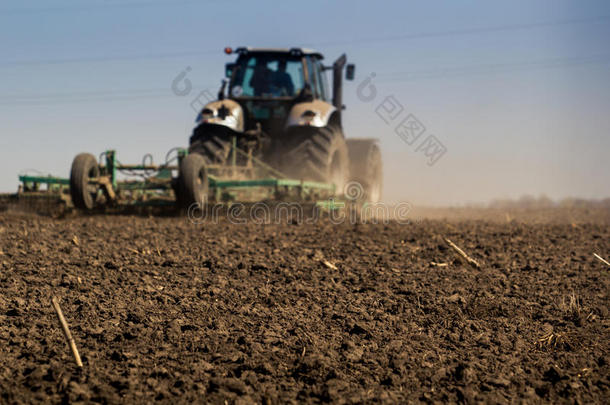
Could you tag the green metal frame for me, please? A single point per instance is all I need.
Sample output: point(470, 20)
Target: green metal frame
point(158, 190)
point(43, 180)
point(270, 182)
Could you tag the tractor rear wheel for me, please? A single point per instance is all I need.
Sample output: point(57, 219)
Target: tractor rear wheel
point(366, 169)
point(193, 181)
point(316, 154)
point(84, 168)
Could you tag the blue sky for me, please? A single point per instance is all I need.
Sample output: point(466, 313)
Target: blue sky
point(518, 92)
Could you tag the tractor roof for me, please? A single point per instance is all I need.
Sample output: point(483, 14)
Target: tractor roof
point(292, 51)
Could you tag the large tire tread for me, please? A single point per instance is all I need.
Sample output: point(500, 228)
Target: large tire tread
point(84, 167)
point(307, 154)
point(192, 181)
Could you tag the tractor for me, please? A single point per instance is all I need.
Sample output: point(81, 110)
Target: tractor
point(276, 105)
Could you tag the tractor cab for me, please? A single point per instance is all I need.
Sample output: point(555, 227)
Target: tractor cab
point(277, 73)
point(266, 75)
point(268, 82)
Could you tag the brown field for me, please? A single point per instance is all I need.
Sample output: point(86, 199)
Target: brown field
point(165, 310)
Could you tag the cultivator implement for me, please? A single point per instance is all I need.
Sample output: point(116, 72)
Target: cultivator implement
point(107, 185)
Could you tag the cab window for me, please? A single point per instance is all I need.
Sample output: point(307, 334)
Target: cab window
point(267, 75)
point(311, 72)
point(323, 81)
point(317, 78)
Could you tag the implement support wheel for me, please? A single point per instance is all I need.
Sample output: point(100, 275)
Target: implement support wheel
point(193, 180)
point(84, 168)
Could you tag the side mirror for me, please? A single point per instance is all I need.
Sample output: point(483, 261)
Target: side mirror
point(350, 71)
point(229, 69)
point(221, 92)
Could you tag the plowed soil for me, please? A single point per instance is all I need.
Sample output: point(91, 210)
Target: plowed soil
point(162, 309)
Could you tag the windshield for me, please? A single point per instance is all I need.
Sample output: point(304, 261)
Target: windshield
point(267, 75)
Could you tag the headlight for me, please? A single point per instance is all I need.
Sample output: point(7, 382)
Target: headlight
point(206, 114)
point(307, 118)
